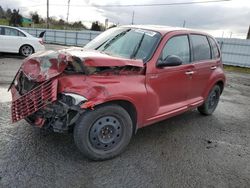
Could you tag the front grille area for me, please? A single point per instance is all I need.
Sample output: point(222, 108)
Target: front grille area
point(34, 100)
point(25, 84)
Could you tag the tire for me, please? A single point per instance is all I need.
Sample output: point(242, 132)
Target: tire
point(209, 106)
point(103, 133)
point(26, 50)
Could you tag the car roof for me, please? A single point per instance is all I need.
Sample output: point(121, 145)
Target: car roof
point(27, 34)
point(164, 29)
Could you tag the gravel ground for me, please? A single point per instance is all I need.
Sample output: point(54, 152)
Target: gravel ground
point(188, 150)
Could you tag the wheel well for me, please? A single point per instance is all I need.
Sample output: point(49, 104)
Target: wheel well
point(221, 85)
point(130, 108)
point(27, 45)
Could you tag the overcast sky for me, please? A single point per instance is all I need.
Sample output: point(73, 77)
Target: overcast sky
point(215, 18)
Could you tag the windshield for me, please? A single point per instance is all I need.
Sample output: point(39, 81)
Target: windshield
point(128, 43)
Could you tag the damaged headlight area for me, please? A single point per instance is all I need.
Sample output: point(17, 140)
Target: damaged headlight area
point(73, 99)
point(60, 115)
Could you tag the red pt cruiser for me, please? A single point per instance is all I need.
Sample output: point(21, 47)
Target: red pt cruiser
point(126, 78)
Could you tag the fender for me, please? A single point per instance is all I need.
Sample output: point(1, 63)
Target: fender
point(217, 76)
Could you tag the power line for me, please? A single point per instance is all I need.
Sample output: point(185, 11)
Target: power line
point(138, 5)
point(38, 5)
point(157, 4)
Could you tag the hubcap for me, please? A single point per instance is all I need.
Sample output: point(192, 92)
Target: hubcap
point(106, 133)
point(213, 99)
point(26, 50)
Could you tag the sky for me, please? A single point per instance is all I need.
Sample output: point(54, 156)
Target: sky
point(223, 19)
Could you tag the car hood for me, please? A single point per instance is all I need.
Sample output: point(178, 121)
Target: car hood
point(45, 65)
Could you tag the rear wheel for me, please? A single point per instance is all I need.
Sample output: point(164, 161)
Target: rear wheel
point(211, 102)
point(26, 50)
point(104, 132)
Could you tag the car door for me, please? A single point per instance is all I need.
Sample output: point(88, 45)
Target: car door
point(11, 39)
point(204, 65)
point(168, 87)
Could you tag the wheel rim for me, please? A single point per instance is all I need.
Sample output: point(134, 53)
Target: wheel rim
point(213, 99)
point(106, 133)
point(26, 50)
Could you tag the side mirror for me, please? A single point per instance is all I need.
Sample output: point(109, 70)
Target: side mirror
point(171, 60)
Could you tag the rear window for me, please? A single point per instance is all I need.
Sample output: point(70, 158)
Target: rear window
point(214, 48)
point(201, 48)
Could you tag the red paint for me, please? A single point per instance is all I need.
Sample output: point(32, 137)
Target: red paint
point(34, 100)
point(156, 93)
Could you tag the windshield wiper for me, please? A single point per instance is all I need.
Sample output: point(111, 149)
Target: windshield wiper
point(137, 47)
point(114, 39)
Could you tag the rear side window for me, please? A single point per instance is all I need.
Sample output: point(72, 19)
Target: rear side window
point(201, 48)
point(214, 48)
point(11, 32)
point(179, 46)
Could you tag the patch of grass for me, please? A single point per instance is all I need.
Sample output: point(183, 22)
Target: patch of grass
point(236, 69)
point(4, 21)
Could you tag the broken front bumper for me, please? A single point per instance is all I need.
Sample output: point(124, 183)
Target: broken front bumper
point(32, 101)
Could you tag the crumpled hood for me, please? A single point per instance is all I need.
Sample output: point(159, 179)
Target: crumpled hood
point(45, 65)
point(95, 58)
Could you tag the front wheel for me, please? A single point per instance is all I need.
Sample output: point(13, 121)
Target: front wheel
point(104, 132)
point(211, 102)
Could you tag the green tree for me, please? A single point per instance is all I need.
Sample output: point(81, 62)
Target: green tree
point(96, 26)
point(61, 22)
point(8, 13)
point(2, 13)
point(16, 18)
point(35, 17)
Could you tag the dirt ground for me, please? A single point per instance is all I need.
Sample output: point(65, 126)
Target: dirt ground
point(189, 150)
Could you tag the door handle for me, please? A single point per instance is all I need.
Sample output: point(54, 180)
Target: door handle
point(189, 72)
point(213, 67)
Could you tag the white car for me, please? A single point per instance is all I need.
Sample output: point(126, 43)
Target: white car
point(15, 40)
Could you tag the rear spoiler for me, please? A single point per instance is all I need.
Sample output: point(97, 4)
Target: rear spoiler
point(42, 34)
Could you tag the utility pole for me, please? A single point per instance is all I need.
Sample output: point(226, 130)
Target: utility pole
point(248, 34)
point(68, 12)
point(184, 23)
point(231, 33)
point(47, 23)
point(133, 15)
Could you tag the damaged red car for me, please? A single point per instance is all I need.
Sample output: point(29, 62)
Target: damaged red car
point(126, 78)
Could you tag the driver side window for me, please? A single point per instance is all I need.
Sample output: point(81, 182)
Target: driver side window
point(179, 46)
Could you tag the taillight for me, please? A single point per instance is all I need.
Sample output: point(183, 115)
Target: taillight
point(41, 41)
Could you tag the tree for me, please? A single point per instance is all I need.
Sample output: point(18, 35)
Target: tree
point(96, 26)
point(35, 17)
point(16, 18)
point(8, 13)
point(78, 25)
point(2, 13)
point(61, 22)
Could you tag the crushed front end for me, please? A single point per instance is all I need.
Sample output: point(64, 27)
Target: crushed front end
point(52, 89)
point(35, 96)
